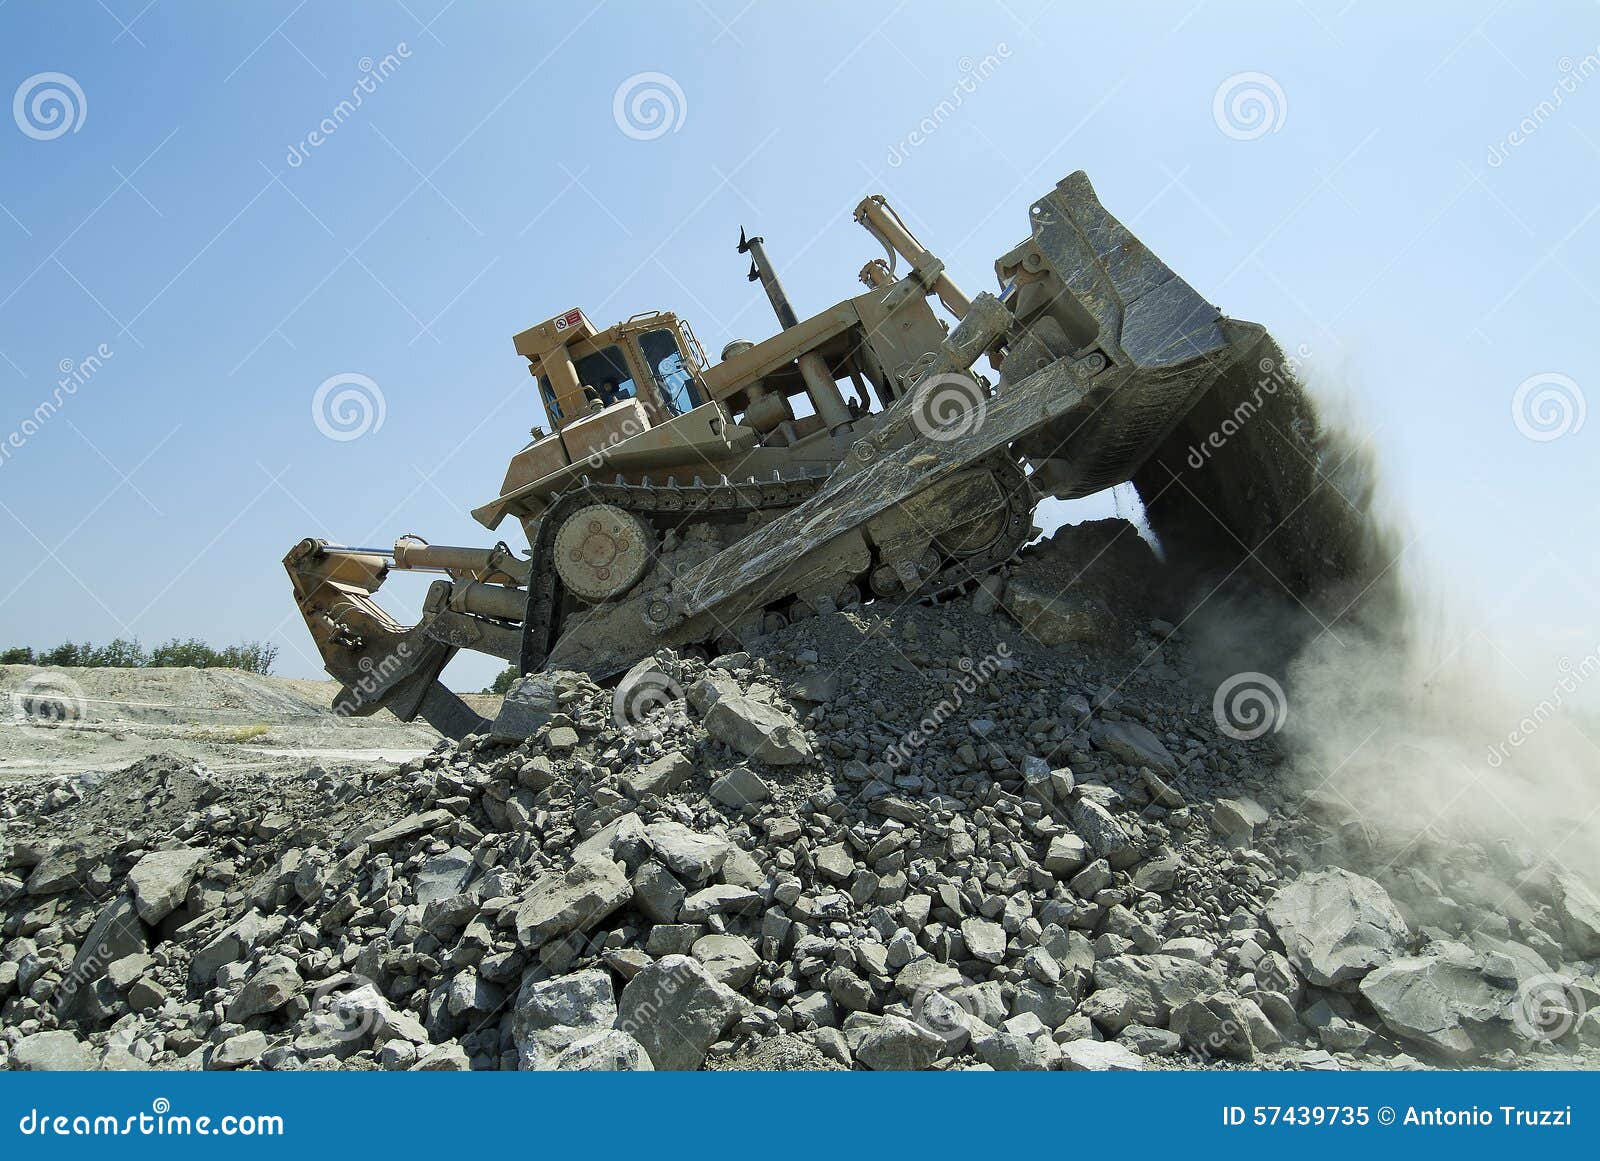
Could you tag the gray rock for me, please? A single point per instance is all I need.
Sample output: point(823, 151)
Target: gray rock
point(115, 934)
point(571, 901)
point(985, 940)
point(239, 1051)
point(1237, 819)
point(410, 827)
point(719, 899)
point(528, 706)
point(444, 875)
point(677, 1011)
point(1223, 1025)
point(662, 776)
point(1014, 1052)
point(552, 1014)
point(1057, 618)
point(1336, 926)
point(657, 893)
point(691, 856)
point(1103, 834)
point(1066, 854)
point(273, 985)
point(57, 1051)
point(1155, 984)
point(758, 730)
point(729, 959)
point(1579, 909)
point(1437, 1000)
point(891, 1043)
point(740, 787)
point(1134, 744)
point(1099, 1056)
point(1147, 1041)
point(161, 879)
point(244, 935)
point(608, 1050)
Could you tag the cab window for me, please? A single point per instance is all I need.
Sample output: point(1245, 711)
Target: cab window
point(606, 374)
point(667, 364)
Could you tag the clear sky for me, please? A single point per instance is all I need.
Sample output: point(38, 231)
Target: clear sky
point(1416, 206)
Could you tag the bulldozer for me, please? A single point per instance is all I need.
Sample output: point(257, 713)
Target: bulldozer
point(892, 447)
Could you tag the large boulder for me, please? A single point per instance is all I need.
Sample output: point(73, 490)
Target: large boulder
point(609, 1050)
point(1134, 744)
point(1058, 618)
point(758, 730)
point(1336, 926)
point(161, 879)
point(574, 900)
point(1154, 984)
point(891, 1043)
point(688, 854)
point(553, 1014)
point(677, 1011)
point(1579, 908)
point(1441, 1000)
point(57, 1051)
point(116, 932)
point(1223, 1025)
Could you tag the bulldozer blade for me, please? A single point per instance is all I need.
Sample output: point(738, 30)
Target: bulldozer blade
point(444, 710)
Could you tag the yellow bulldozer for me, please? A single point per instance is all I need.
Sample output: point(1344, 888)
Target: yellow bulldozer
point(874, 451)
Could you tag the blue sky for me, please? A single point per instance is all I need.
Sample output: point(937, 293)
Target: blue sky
point(1418, 211)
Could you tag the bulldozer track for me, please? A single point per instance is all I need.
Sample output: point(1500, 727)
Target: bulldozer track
point(699, 499)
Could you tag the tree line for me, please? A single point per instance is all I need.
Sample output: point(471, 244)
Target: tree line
point(251, 656)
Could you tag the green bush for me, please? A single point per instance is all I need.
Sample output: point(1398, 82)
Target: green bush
point(251, 656)
point(502, 684)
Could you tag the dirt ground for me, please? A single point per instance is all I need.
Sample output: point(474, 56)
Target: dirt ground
point(71, 721)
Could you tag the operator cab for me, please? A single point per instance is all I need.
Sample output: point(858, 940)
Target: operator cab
point(652, 358)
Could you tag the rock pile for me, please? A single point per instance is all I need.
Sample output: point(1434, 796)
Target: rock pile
point(922, 840)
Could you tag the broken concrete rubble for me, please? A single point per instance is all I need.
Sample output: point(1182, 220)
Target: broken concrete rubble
point(1063, 870)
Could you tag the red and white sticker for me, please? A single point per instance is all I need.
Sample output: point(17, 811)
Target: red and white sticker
point(571, 319)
